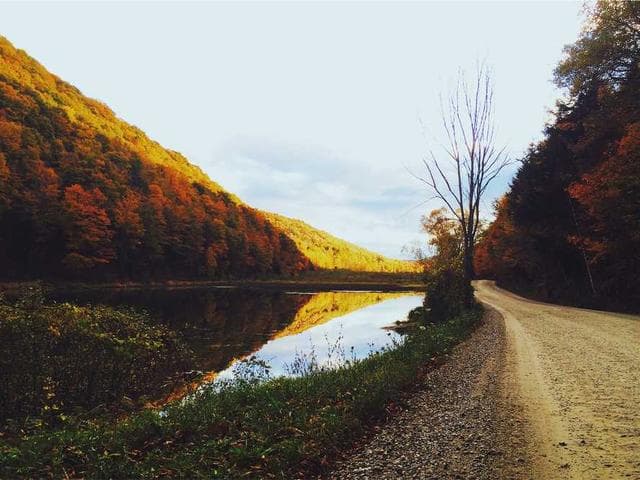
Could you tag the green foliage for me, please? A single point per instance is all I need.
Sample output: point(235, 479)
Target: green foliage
point(607, 51)
point(284, 428)
point(58, 358)
point(448, 294)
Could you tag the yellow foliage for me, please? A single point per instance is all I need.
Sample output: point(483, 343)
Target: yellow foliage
point(323, 250)
point(17, 66)
point(329, 252)
point(325, 306)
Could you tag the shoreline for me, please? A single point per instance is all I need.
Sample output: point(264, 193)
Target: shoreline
point(298, 285)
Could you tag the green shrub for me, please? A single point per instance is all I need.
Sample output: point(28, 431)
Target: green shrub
point(61, 357)
point(448, 294)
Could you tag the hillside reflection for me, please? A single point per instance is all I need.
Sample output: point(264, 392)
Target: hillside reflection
point(329, 332)
point(325, 306)
point(223, 325)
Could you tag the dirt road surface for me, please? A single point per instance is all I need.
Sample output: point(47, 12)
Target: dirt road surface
point(538, 392)
point(576, 374)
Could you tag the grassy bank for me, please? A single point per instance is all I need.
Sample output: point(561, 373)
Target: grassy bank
point(63, 360)
point(273, 429)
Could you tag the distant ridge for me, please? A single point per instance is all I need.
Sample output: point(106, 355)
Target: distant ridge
point(329, 252)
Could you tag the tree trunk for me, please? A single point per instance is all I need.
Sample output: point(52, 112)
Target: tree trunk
point(469, 270)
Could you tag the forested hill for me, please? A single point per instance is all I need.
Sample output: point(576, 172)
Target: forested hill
point(330, 252)
point(83, 194)
point(569, 228)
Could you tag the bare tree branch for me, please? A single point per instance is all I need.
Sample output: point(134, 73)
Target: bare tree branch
point(468, 124)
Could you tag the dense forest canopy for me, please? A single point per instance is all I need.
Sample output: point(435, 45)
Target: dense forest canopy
point(569, 227)
point(83, 194)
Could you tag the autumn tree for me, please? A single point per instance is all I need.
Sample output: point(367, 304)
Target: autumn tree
point(89, 229)
point(567, 229)
point(82, 191)
point(445, 240)
point(447, 291)
point(607, 51)
point(609, 201)
point(155, 225)
point(5, 174)
point(129, 229)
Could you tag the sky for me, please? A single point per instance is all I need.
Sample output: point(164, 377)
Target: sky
point(319, 111)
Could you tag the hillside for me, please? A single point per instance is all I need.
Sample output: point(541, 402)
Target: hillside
point(84, 194)
point(569, 227)
point(19, 68)
point(329, 252)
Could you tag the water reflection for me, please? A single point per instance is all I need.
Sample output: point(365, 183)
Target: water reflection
point(324, 306)
point(223, 326)
point(346, 336)
point(217, 324)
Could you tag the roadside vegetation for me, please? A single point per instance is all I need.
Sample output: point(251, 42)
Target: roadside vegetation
point(136, 213)
point(252, 426)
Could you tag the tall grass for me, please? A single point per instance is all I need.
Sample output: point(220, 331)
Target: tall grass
point(277, 428)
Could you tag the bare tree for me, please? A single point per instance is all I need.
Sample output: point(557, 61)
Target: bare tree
point(470, 159)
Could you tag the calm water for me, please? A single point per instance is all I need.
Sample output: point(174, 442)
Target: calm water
point(223, 326)
point(350, 336)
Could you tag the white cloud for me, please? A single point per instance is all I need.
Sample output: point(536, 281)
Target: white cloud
point(342, 197)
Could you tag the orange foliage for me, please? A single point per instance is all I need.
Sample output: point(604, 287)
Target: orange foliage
point(10, 136)
point(127, 218)
point(89, 230)
point(83, 192)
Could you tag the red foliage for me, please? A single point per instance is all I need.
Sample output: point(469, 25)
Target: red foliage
point(88, 231)
point(608, 196)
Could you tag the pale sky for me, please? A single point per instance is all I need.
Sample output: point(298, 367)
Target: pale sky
point(311, 110)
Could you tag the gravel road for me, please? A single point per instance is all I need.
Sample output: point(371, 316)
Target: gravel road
point(577, 373)
point(457, 426)
point(538, 392)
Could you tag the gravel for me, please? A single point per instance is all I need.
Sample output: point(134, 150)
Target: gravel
point(457, 425)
